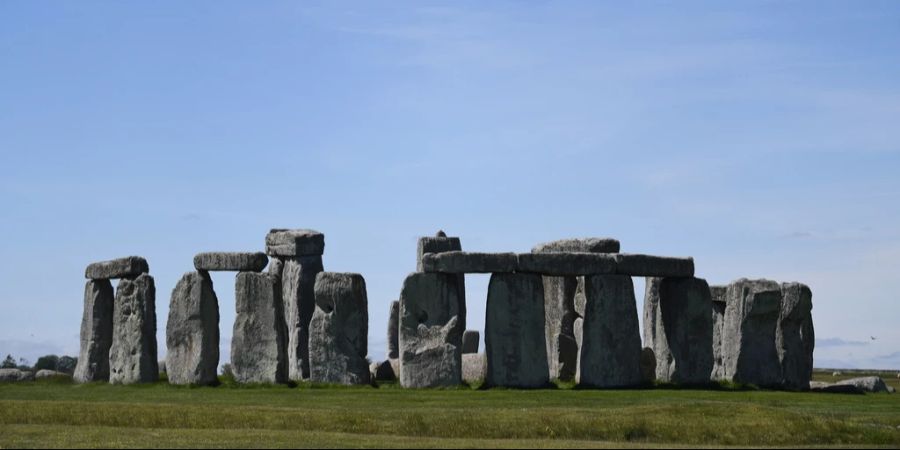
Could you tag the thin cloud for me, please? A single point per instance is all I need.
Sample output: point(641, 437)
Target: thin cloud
point(838, 342)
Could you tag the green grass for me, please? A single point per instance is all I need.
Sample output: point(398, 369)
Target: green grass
point(60, 414)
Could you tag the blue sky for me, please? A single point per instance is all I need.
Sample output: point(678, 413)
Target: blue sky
point(760, 138)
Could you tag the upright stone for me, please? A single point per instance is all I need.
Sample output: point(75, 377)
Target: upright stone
point(751, 317)
point(298, 279)
point(471, 339)
point(678, 327)
point(258, 343)
point(441, 243)
point(795, 337)
point(393, 333)
point(718, 294)
point(611, 344)
point(514, 336)
point(339, 330)
point(96, 332)
point(132, 356)
point(430, 331)
point(192, 332)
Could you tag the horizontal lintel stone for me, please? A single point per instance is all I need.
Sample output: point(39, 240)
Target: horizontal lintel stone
point(231, 261)
point(301, 242)
point(568, 263)
point(130, 266)
point(654, 266)
point(469, 262)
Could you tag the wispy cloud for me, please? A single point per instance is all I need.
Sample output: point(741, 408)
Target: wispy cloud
point(838, 342)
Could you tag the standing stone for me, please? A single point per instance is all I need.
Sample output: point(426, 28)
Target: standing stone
point(471, 339)
point(718, 294)
point(678, 327)
point(276, 266)
point(648, 365)
point(514, 336)
point(430, 331)
point(298, 279)
point(474, 368)
point(258, 353)
point(339, 330)
point(132, 356)
point(96, 332)
point(611, 342)
point(440, 243)
point(192, 332)
point(794, 336)
point(393, 334)
point(751, 317)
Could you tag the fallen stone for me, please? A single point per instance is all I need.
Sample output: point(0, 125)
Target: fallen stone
point(590, 245)
point(258, 343)
point(469, 262)
point(653, 266)
point(678, 327)
point(514, 337)
point(298, 279)
point(130, 266)
point(829, 388)
point(436, 244)
point(339, 330)
point(231, 261)
point(474, 368)
point(865, 384)
point(282, 242)
point(45, 374)
point(132, 355)
point(611, 342)
point(15, 375)
point(751, 316)
point(560, 316)
point(795, 337)
point(96, 332)
point(567, 264)
point(430, 331)
point(192, 332)
point(718, 295)
point(383, 371)
point(648, 365)
point(393, 334)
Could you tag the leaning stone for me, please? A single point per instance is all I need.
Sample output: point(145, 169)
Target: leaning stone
point(611, 343)
point(132, 356)
point(865, 384)
point(514, 332)
point(192, 331)
point(470, 341)
point(751, 317)
point(282, 242)
point(678, 327)
point(298, 280)
point(130, 266)
point(794, 336)
point(469, 262)
point(567, 264)
point(231, 261)
point(96, 332)
point(653, 266)
point(718, 295)
point(339, 330)
point(436, 244)
point(474, 368)
point(591, 245)
point(258, 341)
point(383, 371)
point(45, 374)
point(648, 365)
point(430, 331)
point(393, 334)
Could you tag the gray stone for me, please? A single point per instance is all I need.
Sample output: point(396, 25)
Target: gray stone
point(382, 371)
point(567, 264)
point(865, 384)
point(15, 375)
point(231, 261)
point(678, 327)
point(611, 342)
point(45, 374)
point(393, 334)
point(436, 244)
point(648, 365)
point(339, 330)
point(283, 242)
point(276, 266)
point(258, 343)
point(514, 337)
point(474, 368)
point(132, 355)
point(591, 245)
point(96, 332)
point(469, 262)
point(298, 280)
point(192, 331)
point(751, 316)
point(653, 266)
point(829, 388)
point(471, 340)
point(795, 337)
point(130, 266)
point(430, 331)
point(718, 295)
point(560, 316)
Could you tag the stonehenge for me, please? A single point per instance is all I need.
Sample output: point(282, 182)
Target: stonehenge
point(96, 332)
point(610, 355)
point(748, 345)
point(258, 344)
point(795, 337)
point(192, 331)
point(339, 329)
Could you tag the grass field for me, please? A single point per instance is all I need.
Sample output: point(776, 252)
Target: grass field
point(60, 414)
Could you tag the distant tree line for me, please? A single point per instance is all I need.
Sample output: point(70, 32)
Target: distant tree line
point(64, 364)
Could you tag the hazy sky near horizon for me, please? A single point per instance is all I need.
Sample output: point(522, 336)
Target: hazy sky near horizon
point(761, 138)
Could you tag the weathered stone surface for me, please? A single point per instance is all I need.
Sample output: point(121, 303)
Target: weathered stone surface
point(795, 337)
point(514, 338)
point(393, 331)
point(192, 331)
point(751, 316)
point(611, 342)
point(15, 375)
point(298, 279)
point(96, 332)
point(648, 365)
point(430, 331)
point(382, 371)
point(474, 368)
point(436, 244)
point(718, 295)
point(865, 384)
point(678, 327)
point(132, 355)
point(471, 340)
point(276, 266)
point(258, 343)
point(560, 315)
point(653, 266)
point(130, 266)
point(829, 388)
point(231, 261)
point(567, 264)
point(283, 242)
point(591, 245)
point(469, 262)
point(45, 374)
point(339, 330)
